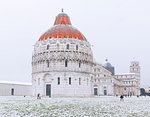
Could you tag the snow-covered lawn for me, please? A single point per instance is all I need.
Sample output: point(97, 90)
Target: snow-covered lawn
point(74, 107)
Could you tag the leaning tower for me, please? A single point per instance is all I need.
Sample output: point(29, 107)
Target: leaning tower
point(62, 62)
point(135, 68)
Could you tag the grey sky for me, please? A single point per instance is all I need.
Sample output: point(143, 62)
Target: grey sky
point(118, 29)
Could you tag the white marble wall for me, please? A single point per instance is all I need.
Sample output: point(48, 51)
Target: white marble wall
point(64, 89)
point(19, 89)
point(103, 80)
point(79, 65)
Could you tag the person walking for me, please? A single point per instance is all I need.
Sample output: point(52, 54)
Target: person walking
point(121, 98)
point(38, 96)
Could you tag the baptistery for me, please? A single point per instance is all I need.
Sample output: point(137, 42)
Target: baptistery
point(62, 62)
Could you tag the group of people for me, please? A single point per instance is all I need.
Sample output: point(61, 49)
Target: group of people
point(122, 96)
point(39, 97)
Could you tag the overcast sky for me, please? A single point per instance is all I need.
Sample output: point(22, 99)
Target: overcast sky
point(118, 30)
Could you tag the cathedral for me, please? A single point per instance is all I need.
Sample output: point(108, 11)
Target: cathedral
point(63, 66)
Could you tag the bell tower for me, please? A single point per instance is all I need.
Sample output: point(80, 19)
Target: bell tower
point(135, 68)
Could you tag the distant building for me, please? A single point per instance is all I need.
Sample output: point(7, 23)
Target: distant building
point(147, 90)
point(129, 82)
point(9, 88)
point(103, 81)
point(118, 84)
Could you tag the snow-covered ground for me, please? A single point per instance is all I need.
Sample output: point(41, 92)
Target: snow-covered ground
point(74, 107)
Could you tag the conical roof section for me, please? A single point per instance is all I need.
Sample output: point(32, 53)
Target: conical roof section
point(62, 29)
point(62, 18)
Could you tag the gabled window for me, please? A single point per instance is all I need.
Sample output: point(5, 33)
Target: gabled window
point(69, 80)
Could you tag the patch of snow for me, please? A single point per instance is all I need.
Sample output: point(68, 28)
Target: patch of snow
point(74, 107)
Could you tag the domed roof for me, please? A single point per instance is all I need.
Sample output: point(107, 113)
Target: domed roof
point(109, 67)
point(107, 64)
point(62, 29)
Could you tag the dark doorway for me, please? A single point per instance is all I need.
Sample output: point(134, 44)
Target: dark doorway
point(48, 90)
point(12, 91)
point(105, 92)
point(95, 91)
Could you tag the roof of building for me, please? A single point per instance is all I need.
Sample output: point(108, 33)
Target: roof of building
point(124, 74)
point(109, 67)
point(107, 64)
point(14, 82)
point(62, 29)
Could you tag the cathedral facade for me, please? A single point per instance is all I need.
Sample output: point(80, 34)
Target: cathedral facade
point(109, 83)
point(63, 66)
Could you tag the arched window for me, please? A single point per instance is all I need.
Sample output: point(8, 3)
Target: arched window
point(69, 80)
point(87, 81)
point(79, 81)
point(47, 63)
point(47, 47)
point(66, 63)
point(79, 64)
point(58, 80)
point(58, 46)
point(38, 81)
point(76, 47)
point(67, 46)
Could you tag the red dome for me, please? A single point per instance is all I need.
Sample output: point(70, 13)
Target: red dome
point(62, 29)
